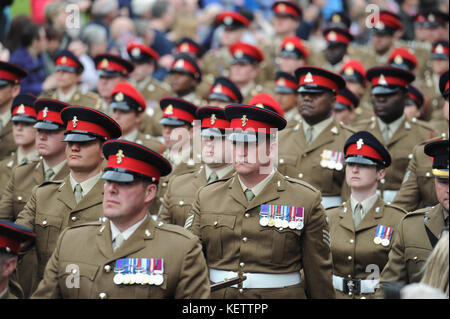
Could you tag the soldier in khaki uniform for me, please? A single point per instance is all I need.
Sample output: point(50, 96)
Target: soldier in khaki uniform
point(10, 76)
point(181, 190)
point(391, 126)
point(128, 109)
point(145, 61)
point(363, 229)
point(345, 106)
point(419, 231)
point(293, 55)
point(261, 224)
point(68, 71)
point(55, 205)
point(51, 166)
point(23, 116)
point(417, 190)
point(286, 95)
point(11, 238)
point(311, 150)
point(177, 122)
point(128, 255)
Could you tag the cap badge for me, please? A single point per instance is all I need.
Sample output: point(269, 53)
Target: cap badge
point(439, 49)
point(119, 97)
point(244, 120)
point(184, 47)
point(21, 109)
point(336, 18)
point(431, 18)
point(398, 59)
point(179, 64)
point(218, 88)
point(260, 105)
point(136, 52)
point(104, 64)
point(213, 119)
point(382, 80)
point(309, 78)
point(168, 110)
point(281, 82)
point(332, 36)
point(74, 122)
point(44, 112)
point(228, 20)
point(289, 46)
point(380, 26)
point(120, 155)
point(239, 54)
point(349, 71)
point(281, 7)
point(359, 144)
point(64, 60)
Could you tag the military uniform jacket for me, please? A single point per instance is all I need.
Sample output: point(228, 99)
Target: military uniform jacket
point(412, 246)
point(400, 146)
point(6, 169)
point(217, 62)
point(180, 195)
point(89, 99)
point(297, 160)
point(89, 246)
point(150, 141)
point(228, 227)
point(7, 141)
point(417, 190)
point(150, 122)
point(355, 255)
point(20, 186)
point(52, 207)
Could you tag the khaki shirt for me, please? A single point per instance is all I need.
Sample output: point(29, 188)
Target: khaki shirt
point(233, 240)
point(89, 246)
point(355, 255)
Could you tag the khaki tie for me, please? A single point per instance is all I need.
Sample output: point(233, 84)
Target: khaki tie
point(118, 241)
point(78, 193)
point(386, 133)
point(49, 174)
point(249, 195)
point(358, 214)
point(309, 135)
point(213, 177)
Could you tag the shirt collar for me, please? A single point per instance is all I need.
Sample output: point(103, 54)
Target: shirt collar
point(317, 128)
point(131, 136)
point(87, 185)
point(257, 189)
point(393, 127)
point(67, 96)
point(367, 204)
point(56, 169)
point(128, 232)
point(221, 172)
point(29, 157)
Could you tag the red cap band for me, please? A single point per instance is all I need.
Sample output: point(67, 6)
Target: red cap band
point(333, 36)
point(250, 125)
point(318, 80)
point(390, 81)
point(111, 66)
point(217, 123)
point(24, 110)
point(49, 115)
point(185, 65)
point(365, 150)
point(286, 83)
point(10, 243)
point(187, 47)
point(134, 165)
point(285, 9)
point(64, 60)
point(343, 100)
point(179, 114)
point(77, 125)
point(223, 90)
point(5, 75)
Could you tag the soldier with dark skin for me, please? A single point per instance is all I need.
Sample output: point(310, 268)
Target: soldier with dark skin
point(362, 229)
point(261, 224)
point(127, 254)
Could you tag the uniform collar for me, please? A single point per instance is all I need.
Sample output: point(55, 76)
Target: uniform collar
point(128, 232)
point(393, 127)
point(367, 203)
point(221, 172)
point(257, 189)
point(56, 169)
point(66, 97)
point(28, 157)
point(131, 136)
point(317, 128)
point(87, 185)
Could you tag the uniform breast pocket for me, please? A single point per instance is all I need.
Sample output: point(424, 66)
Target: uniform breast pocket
point(287, 165)
point(48, 228)
point(282, 243)
point(217, 232)
point(151, 291)
point(180, 211)
point(76, 280)
point(415, 261)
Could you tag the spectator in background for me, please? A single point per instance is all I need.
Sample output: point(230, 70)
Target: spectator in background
point(56, 16)
point(18, 23)
point(29, 57)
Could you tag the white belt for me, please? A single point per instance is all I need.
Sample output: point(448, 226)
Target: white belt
point(329, 201)
point(355, 286)
point(257, 280)
point(388, 195)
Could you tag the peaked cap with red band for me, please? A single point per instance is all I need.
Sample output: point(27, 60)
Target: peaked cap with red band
point(387, 80)
point(12, 236)
point(440, 50)
point(339, 19)
point(415, 96)
point(443, 84)
point(176, 111)
point(214, 121)
point(315, 80)
point(353, 71)
point(293, 47)
point(84, 124)
point(127, 160)
point(189, 46)
point(267, 102)
point(365, 149)
point(184, 63)
point(248, 120)
point(337, 35)
point(109, 65)
point(439, 152)
point(402, 58)
point(245, 53)
point(67, 61)
point(126, 97)
point(223, 89)
point(285, 83)
point(232, 20)
point(140, 53)
point(49, 114)
point(11, 73)
point(23, 110)
point(287, 9)
point(345, 99)
point(388, 23)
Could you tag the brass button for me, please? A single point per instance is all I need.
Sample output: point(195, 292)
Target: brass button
point(245, 239)
point(73, 218)
point(352, 241)
point(107, 268)
point(241, 265)
point(44, 222)
point(247, 215)
point(281, 161)
point(241, 291)
point(349, 257)
point(19, 197)
point(216, 223)
point(300, 175)
point(102, 295)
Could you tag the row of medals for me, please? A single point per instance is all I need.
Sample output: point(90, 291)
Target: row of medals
point(331, 163)
point(279, 223)
point(384, 242)
point(138, 278)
